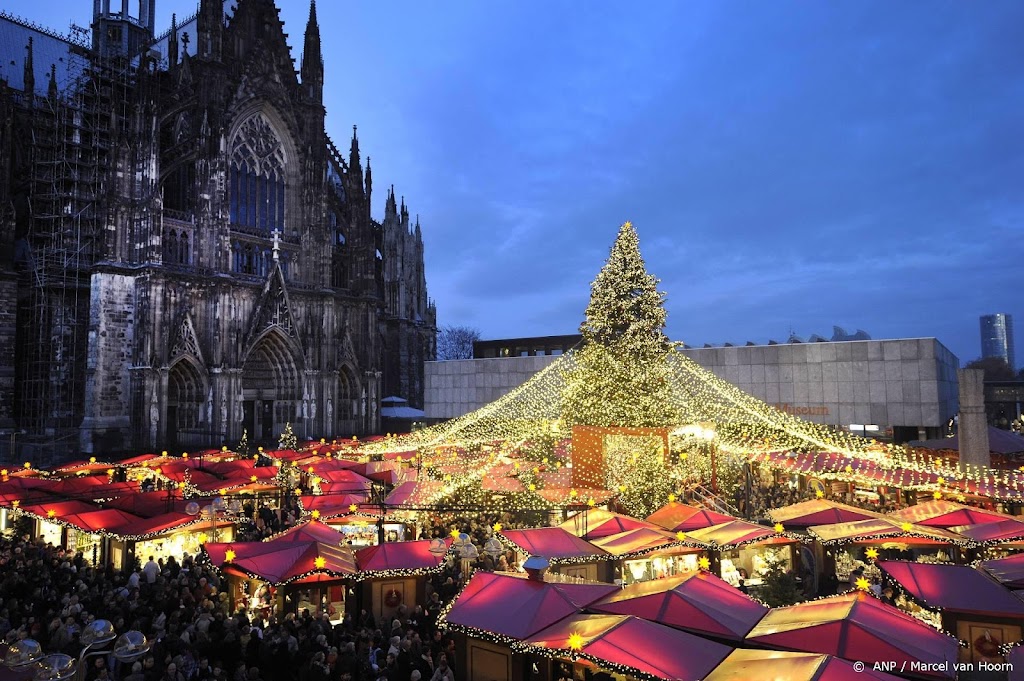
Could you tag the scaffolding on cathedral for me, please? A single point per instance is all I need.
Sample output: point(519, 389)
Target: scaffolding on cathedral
point(72, 135)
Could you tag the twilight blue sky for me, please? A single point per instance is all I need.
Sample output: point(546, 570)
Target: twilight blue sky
point(788, 165)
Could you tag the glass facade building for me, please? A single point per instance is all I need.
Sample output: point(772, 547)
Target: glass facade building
point(997, 338)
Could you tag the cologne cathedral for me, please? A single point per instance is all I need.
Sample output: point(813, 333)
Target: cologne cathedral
point(184, 252)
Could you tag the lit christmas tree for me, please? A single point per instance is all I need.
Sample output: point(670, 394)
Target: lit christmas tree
point(621, 375)
point(288, 439)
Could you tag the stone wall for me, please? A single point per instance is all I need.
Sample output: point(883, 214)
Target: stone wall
point(906, 382)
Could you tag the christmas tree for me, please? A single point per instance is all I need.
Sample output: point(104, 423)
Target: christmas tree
point(621, 375)
point(243, 444)
point(287, 439)
point(780, 587)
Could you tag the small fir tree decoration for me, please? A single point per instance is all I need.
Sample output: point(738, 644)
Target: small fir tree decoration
point(780, 587)
point(288, 439)
point(621, 377)
point(243, 444)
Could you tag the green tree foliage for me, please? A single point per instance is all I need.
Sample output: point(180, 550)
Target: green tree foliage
point(780, 587)
point(621, 376)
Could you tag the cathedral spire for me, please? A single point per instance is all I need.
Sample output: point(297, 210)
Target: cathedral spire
point(390, 209)
point(209, 28)
point(172, 43)
point(353, 154)
point(405, 216)
point(419, 233)
point(51, 91)
point(369, 183)
point(312, 70)
point(29, 77)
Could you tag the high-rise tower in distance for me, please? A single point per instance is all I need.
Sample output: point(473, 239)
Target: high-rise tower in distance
point(997, 338)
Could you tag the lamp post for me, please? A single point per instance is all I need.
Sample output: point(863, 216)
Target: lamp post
point(59, 667)
point(377, 492)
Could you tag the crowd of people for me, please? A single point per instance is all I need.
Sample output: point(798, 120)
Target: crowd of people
point(51, 595)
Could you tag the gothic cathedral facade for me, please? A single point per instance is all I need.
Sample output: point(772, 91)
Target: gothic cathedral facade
point(190, 255)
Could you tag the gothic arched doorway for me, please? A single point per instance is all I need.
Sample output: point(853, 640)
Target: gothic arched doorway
point(186, 395)
point(271, 386)
point(348, 412)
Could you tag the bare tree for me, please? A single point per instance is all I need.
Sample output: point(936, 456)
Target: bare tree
point(456, 342)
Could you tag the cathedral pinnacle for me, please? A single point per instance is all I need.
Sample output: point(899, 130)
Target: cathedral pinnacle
point(353, 156)
point(30, 73)
point(312, 70)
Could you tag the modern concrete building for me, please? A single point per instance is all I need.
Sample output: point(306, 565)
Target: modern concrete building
point(997, 338)
point(905, 388)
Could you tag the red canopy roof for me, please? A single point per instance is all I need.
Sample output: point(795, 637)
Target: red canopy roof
point(651, 649)
point(407, 556)
point(291, 556)
point(594, 523)
point(818, 512)
point(163, 523)
point(882, 528)
point(553, 543)
point(943, 513)
point(332, 505)
point(697, 601)
point(1009, 571)
point(148, 504)
point(109, 520)
point(677, 517)
point(1007, 530)
point(342, 477)
point(640, 542)
point(512, 605)
point(856, 626)
point(748, 665)
point(957, 588)
point(739, 533)
point(60, 509)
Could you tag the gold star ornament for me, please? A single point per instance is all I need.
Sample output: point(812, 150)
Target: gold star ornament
point(575, 641)
point(704, 563)
point(872, 553)
point(319, 562)
point(229, 556)
point(863, 584)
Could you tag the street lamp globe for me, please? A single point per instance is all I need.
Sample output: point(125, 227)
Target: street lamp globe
point(56, 667)
point(131, 645)
point(98, 632)
point(22, 653)
point(192, 508)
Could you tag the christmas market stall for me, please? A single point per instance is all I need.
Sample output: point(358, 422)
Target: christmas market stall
point(622, 645)
point(746, 665)
point(567, 554)
point(858, 627)
point(594, 523)
point(1009, 571)
point(395, 574)
point(644, 554)
point(527, 604)
point(818, 512)
point(746, 551)
point(678, 517)
point(697, 602)
point(851, 548)
point(964, 601)
point(305, 567)
point(944, 513)
point(997, 539)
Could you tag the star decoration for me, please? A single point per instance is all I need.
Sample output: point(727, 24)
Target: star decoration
point(672, 498)
point(575, 641)
point(863, 584)
point(229, 556)
point(454, 534)
point(622, 488)
point(703, 563)
point(779, 528)
point(315, 514)
point(906, 527)
point(319, 562)
point(937, 494)
point(591, 503)
point(573, 493)
point(28, 464)
point(849, 468)
point(92, 459)
point(533, 487)
point(872, 553)
point(352, 508)
point(203, 538)
point(961, 498)
point(680, 535)
point(941, 480)
point(51, 513)
point(820, 494)
point(253, 478)
point(496, 527)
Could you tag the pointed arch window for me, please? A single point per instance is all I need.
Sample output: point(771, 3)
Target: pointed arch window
point(257, 183)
